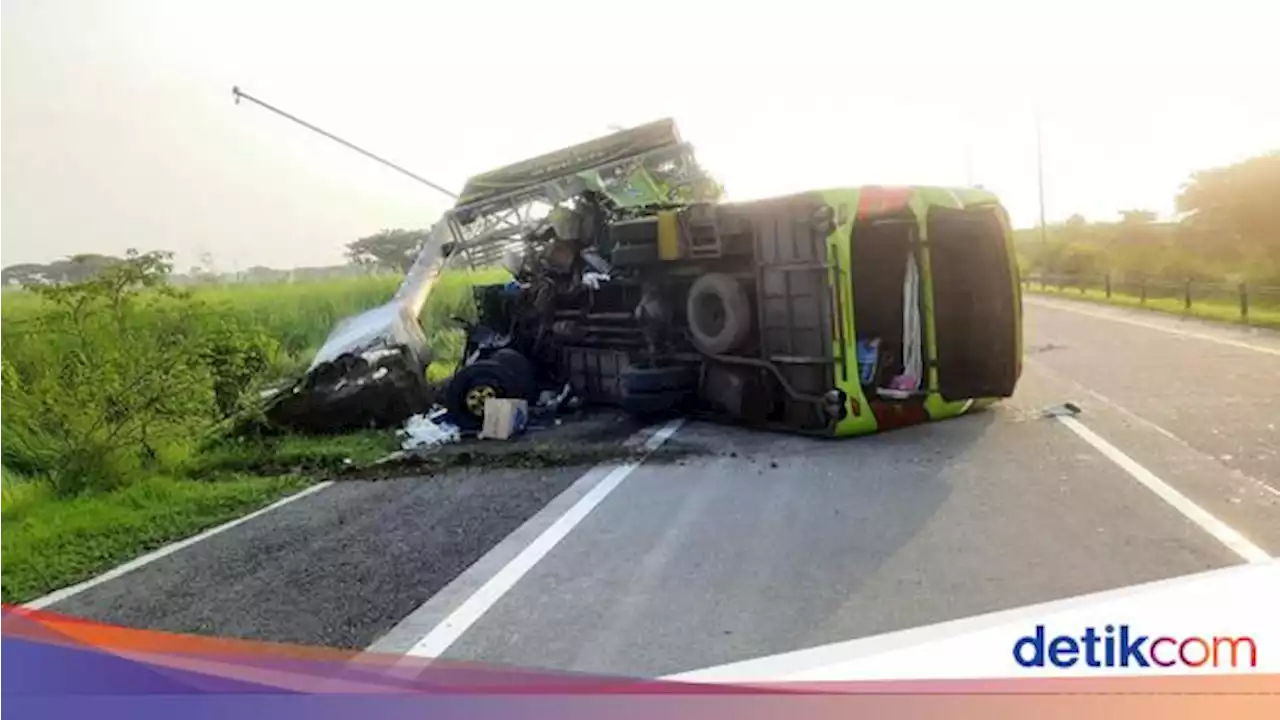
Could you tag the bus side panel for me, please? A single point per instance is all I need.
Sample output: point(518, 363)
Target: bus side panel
point(859, 419)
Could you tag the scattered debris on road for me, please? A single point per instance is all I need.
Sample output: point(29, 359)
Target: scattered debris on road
point(1066, 409)
point(1037, 349)
point(504, 418)
point(589, 439)
point(422, 432)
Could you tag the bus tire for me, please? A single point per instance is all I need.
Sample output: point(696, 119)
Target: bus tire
point(655, 403)
point(719, 313)
point(472, 385)
point(650, 380)
point(521, 370)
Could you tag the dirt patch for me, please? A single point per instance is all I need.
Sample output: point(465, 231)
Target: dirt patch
point(578, 440)
point(551, 453)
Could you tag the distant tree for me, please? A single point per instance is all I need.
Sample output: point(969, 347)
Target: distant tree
point(205, 270)
point(263, 274)
point(388, 249)
point(25, 274)
point(1137, 217)
point(1232, 210)
point(74, 269)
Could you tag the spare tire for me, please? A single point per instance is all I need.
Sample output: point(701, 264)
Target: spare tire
point(719, 313)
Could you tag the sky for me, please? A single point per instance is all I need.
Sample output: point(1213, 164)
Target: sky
point(119, 128)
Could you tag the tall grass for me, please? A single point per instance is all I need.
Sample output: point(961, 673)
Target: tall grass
point(300, 315)
point(113, 438)
point(252, 332)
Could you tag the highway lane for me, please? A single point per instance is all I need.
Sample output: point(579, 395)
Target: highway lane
point(336, 568)
point(762, 543)
point(1196, 403)
point(786, 543)
point(729, 558)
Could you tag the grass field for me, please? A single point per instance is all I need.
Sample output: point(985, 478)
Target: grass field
point(61, 530)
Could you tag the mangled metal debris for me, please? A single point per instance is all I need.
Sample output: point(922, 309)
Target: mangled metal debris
point(371, 369)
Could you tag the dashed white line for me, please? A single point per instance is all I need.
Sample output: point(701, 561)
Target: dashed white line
point(60, 595)
point(1224, 533)
point(474, 607)
point(1154, 326)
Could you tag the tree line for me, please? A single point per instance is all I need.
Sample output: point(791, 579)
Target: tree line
point(1227, 228)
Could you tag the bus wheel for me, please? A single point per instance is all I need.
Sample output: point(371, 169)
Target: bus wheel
point(521, 370)
point(472, 386)
point(719, 313)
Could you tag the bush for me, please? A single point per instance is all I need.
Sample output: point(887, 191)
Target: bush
point(120, 374)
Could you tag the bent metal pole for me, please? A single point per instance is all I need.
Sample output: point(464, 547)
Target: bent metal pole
point(239, 94)
point(426, 267)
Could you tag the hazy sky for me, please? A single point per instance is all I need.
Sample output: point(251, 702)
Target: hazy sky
point(119, 128)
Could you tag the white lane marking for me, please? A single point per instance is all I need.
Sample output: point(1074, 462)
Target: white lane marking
point(60, 595)
point(1224, 533)
point(466, 614)
point(1041, 367)
point(1064, 305)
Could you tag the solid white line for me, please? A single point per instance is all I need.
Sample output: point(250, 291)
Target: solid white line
point(462, 618)
point(1064, 305)
point(1224, 533)
point(64, 593)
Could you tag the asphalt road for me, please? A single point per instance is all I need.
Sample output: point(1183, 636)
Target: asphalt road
point(755, 544)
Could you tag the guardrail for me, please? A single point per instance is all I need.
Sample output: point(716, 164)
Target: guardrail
point(1190, 292)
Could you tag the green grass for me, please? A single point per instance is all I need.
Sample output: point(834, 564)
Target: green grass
point(295, 454)
point(1218, 310)
point(54, 540)
point(301, 315)
point(51, 542)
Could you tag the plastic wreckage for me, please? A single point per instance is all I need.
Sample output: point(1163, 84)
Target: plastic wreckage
point(632, 286)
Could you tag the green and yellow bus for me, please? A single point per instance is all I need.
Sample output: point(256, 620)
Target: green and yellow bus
point(834, 312)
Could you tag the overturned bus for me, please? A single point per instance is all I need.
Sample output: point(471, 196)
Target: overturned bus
point(832, 312)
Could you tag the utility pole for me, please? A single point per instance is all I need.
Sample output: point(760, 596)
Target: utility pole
point(1044, 230)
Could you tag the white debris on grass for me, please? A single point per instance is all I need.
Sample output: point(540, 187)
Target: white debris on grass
point(421, 433)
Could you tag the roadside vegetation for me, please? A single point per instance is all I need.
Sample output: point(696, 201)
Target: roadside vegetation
point(1226, 231)
point(121, 393)
point(1264, 309)
point(1227, 234)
